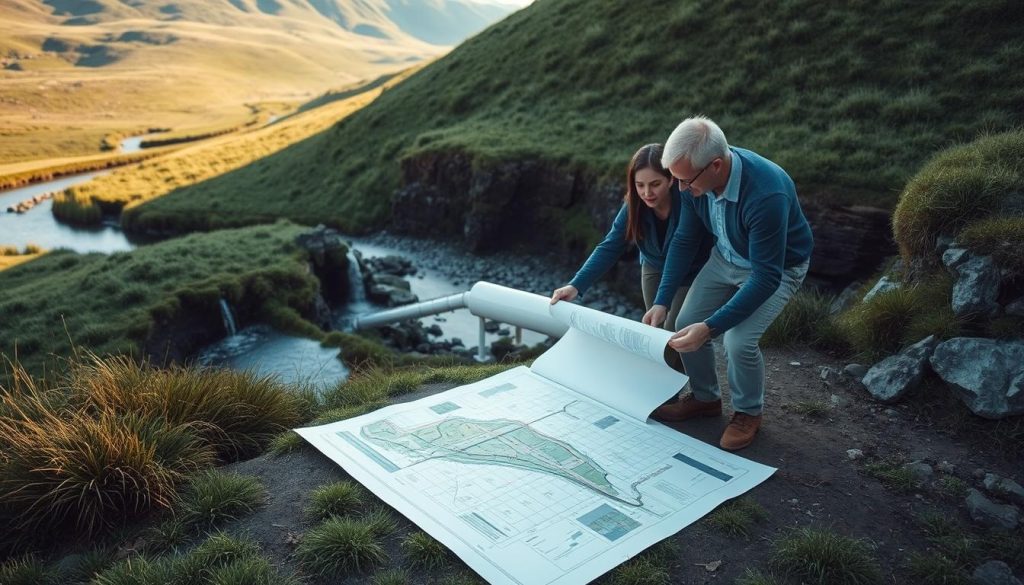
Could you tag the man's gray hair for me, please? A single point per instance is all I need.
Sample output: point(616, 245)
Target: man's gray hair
point(698, 139)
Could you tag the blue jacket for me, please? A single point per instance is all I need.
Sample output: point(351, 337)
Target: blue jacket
point(652, 252)
point(766, 226)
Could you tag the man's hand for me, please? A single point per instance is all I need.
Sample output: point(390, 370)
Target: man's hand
point(565, 293)
point(656, 316)
point(690, 338)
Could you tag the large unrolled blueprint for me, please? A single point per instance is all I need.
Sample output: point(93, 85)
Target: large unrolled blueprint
point(546, 474)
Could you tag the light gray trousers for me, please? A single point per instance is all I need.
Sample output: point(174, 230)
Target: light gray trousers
point(649, 281)
point(716, 283)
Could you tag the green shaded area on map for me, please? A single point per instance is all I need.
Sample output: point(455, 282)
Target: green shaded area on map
point(493, 442)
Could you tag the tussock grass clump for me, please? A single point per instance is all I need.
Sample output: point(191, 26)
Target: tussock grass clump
point(897, 318)
point(220, 559)
point(805, 320)
point(811, 408)
point(340, 546)
point(640, 571)
point(932, 568)
point(381, 521)
point(893, 475)
point(114, 439)
point(756, 577)
point(26, 570)
point(821, 557)
point(424, 551)
point(337, 499)
point(286, 442)
point(959, 187)
point(237, 413)
point(737, 517)
point(391, 577)
point(214, 496)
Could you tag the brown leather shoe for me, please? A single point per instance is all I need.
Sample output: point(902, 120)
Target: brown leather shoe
point(687, 407)
point(740, 432)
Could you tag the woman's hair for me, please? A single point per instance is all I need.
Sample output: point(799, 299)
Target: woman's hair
point(648, 157)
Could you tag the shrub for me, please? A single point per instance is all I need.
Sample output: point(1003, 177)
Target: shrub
point(92, 472)
point(336, 499)
point(956, 188)
point(26, 570)
point(821, 557)
point(340, 546)
point(737, 517)
point(215, 496)
point(424, 551)
point(238, 413)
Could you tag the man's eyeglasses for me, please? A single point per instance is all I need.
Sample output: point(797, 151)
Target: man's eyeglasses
point(685, 184)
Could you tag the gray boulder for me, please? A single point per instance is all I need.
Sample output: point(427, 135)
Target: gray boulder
point(845, 299)
point(391, 280)
point(988, 513)
point(1004, 488)
point(391, 296)
point(1016, 308)
point(977, 285)
point(952, 258)
point(988, 375)
point(994, 573)
point(890, 379)
point(855, 370)
point(884, 284)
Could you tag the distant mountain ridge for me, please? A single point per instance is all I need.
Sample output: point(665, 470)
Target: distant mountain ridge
point(438, 22)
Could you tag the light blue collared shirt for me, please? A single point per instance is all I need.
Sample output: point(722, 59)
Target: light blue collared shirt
point(731, 196)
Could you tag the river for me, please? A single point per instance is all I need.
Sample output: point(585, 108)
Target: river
point(259, 347)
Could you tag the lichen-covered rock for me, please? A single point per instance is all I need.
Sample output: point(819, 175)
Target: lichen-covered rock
point(988, 375)
point(994, 573)
point(890, 379)
point(977, 287)
point(988, 513)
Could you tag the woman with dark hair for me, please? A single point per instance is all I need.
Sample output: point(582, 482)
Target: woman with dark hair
point(648, 218)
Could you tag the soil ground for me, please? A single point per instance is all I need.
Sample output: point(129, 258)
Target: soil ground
point(816, 484)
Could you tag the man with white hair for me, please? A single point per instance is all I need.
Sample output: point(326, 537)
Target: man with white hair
point(762, 247)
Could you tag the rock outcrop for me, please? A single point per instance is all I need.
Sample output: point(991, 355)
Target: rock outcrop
point(890, 379)
point(988, 375)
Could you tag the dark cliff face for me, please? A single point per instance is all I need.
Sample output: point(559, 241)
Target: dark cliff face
point(491, 206)
point(526, 204)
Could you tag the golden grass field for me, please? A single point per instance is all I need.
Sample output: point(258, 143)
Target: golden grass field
point(138, 183)
point(70, 82)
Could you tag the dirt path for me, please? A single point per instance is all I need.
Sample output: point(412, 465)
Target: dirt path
point(816, 485)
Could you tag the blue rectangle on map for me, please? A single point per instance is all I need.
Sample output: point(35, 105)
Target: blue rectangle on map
point(365, 450)
point(606, 422)
point(702, 467)
point(497, 390)
point(609, 522)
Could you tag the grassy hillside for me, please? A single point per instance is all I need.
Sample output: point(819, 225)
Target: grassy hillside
point(113, 304)
point(850, 98)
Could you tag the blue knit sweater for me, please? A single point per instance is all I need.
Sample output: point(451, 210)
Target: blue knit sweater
point(766, 226)
point(652, 251)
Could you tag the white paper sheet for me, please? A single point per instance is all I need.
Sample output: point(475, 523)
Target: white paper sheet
point(530, 482)
point(549, 474)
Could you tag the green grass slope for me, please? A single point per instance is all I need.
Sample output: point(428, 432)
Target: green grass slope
point(850, 98)
point(117, 303)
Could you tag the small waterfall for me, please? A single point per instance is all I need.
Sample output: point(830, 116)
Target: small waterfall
point(228, 318)
point(356, 288)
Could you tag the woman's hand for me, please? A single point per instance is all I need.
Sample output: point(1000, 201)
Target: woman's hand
point(566, 293)
point(656, 316)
